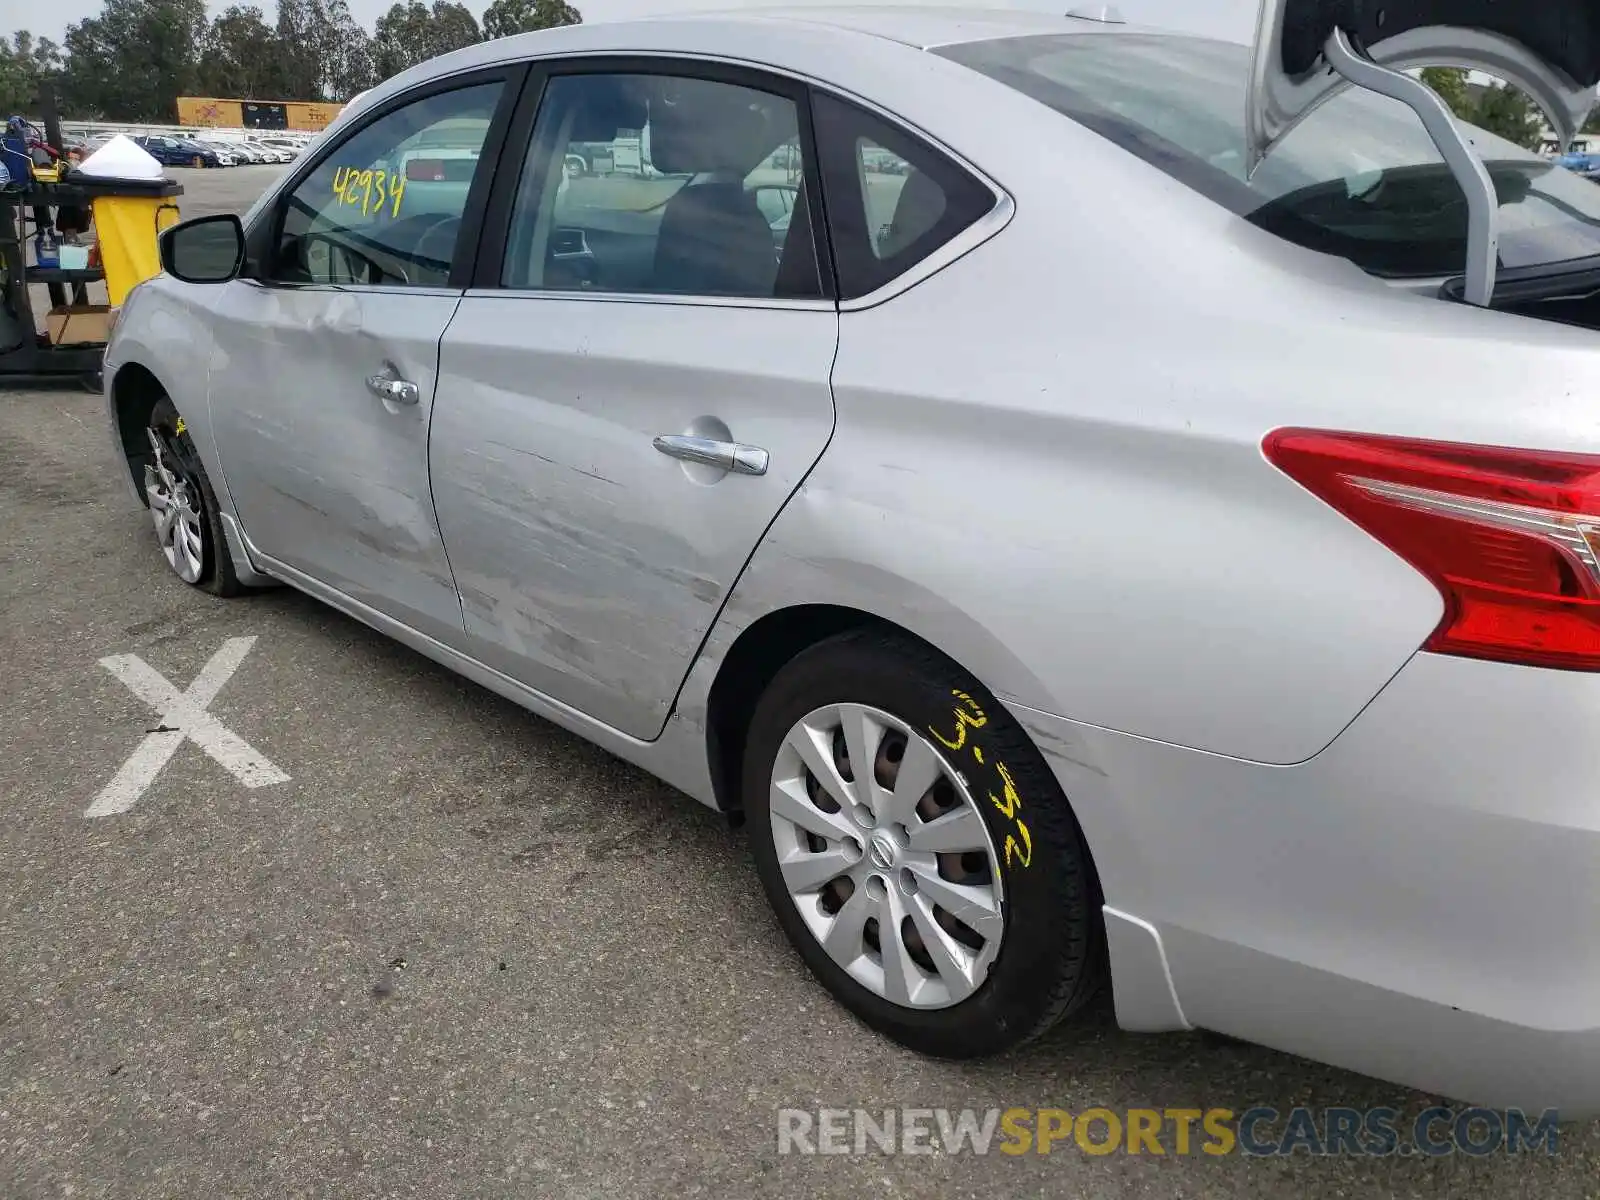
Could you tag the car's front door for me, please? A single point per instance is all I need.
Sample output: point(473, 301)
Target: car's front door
point(323, 389)
point(616, 429)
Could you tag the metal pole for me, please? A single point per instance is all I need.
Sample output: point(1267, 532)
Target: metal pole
point(52, 117)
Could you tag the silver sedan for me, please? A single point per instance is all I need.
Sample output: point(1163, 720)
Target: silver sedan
point(1099, 504)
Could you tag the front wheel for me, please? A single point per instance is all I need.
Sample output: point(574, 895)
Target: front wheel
point(917, 850)
point(183, 506)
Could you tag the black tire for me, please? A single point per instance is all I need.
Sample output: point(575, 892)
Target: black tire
point(217, 575)
point(1052, 955)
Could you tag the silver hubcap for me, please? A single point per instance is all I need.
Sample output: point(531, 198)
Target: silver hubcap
point(176, 516)
point(886, 856)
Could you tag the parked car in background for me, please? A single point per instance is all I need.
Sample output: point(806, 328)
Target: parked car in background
point(241, 149)
point(178, 152)
point(284, 145)
point(228, 154)
point(1259, 673)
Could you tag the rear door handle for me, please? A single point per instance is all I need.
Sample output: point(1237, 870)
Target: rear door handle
point(396, 391)
point(726, 456)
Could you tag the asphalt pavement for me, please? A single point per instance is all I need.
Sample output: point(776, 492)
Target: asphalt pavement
point(457, 951)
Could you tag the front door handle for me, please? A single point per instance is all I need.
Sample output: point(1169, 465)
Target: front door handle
point(726, 456)
point(396, 391)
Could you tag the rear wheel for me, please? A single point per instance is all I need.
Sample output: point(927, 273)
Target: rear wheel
point(184, 508)
point(917, 850)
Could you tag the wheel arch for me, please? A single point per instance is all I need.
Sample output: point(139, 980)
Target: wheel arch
point(135, 392)
point(754, 659)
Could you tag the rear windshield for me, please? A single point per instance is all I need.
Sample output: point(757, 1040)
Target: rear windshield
point(1359, 178)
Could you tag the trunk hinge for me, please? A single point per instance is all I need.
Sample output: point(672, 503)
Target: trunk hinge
point(1483, 204)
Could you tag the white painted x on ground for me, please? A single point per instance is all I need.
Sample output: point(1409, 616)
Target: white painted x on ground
point(183, 716)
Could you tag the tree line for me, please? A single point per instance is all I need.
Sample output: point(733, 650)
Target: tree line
point(135, 59)
point(1500, 108)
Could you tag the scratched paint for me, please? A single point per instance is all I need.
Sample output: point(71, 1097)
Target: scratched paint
point(591, 565)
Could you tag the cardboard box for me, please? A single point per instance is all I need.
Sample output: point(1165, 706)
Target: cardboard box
point(78, 325)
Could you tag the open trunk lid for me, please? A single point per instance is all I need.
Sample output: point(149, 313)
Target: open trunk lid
point(1307, 51)
point(1548, 48)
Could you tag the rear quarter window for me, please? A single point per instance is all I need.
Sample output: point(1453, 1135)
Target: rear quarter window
point(893, 200)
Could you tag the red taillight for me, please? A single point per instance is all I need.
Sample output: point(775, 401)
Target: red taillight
point(425, 170)
point(1511, 538)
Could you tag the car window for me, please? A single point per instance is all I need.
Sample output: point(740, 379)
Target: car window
point(663, 184)
point(892, 199)
point(385, 205)
point(1360, 178)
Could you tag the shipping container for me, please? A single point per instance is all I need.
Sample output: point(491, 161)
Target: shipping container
point(208, 111)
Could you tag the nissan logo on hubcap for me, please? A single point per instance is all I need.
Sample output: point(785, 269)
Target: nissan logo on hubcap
point(884, 851)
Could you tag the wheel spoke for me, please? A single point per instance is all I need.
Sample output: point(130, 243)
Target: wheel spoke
point(193, 550)
point(951, 959)
point(807, 872)
point(974, 907)
point(816, 751)
point(789, 801)
point(920, 769)
point(845, 941)
point(862, 736)
point(959, 829)
point(902, 978)
point(165, 514)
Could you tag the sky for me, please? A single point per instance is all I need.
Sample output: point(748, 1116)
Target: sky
point(1221, 18)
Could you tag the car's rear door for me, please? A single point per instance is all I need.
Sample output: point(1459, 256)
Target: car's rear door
point(637, 383)
point(323, 387)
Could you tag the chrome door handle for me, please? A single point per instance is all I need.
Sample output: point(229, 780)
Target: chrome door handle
point(396, 391)
point(726, 456)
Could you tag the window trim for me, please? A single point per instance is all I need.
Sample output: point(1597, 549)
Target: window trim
point(497, 223)
point(994, 219)
point(496, 231)
point(261, 239)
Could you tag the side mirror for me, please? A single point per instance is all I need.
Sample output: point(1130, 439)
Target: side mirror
point(204, 250)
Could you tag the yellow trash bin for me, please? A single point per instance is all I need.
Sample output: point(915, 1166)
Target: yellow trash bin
point(127, 228)
point(129, 215)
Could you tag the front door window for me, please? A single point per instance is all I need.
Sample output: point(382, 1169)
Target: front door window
point(385, 207)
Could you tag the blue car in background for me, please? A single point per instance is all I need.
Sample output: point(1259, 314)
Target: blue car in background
point(1587, 165)
point(178, 152)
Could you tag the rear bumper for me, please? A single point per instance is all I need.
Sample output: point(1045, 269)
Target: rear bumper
point(1418, 902)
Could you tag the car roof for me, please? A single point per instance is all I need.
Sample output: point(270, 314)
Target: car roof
point(922, 26)
point(801, 37)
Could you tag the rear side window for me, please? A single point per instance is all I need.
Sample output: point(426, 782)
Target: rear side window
point(893, 200)
point(663, 184)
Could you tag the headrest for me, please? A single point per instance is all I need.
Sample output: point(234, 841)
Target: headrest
point(605, 104)
point(918, 210)
point(697, 125)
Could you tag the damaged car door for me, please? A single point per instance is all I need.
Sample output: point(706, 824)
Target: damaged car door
point(617, 432)
point(323, 387)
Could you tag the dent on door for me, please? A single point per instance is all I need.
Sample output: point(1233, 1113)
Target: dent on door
point(590, 560)
point(328, 477)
